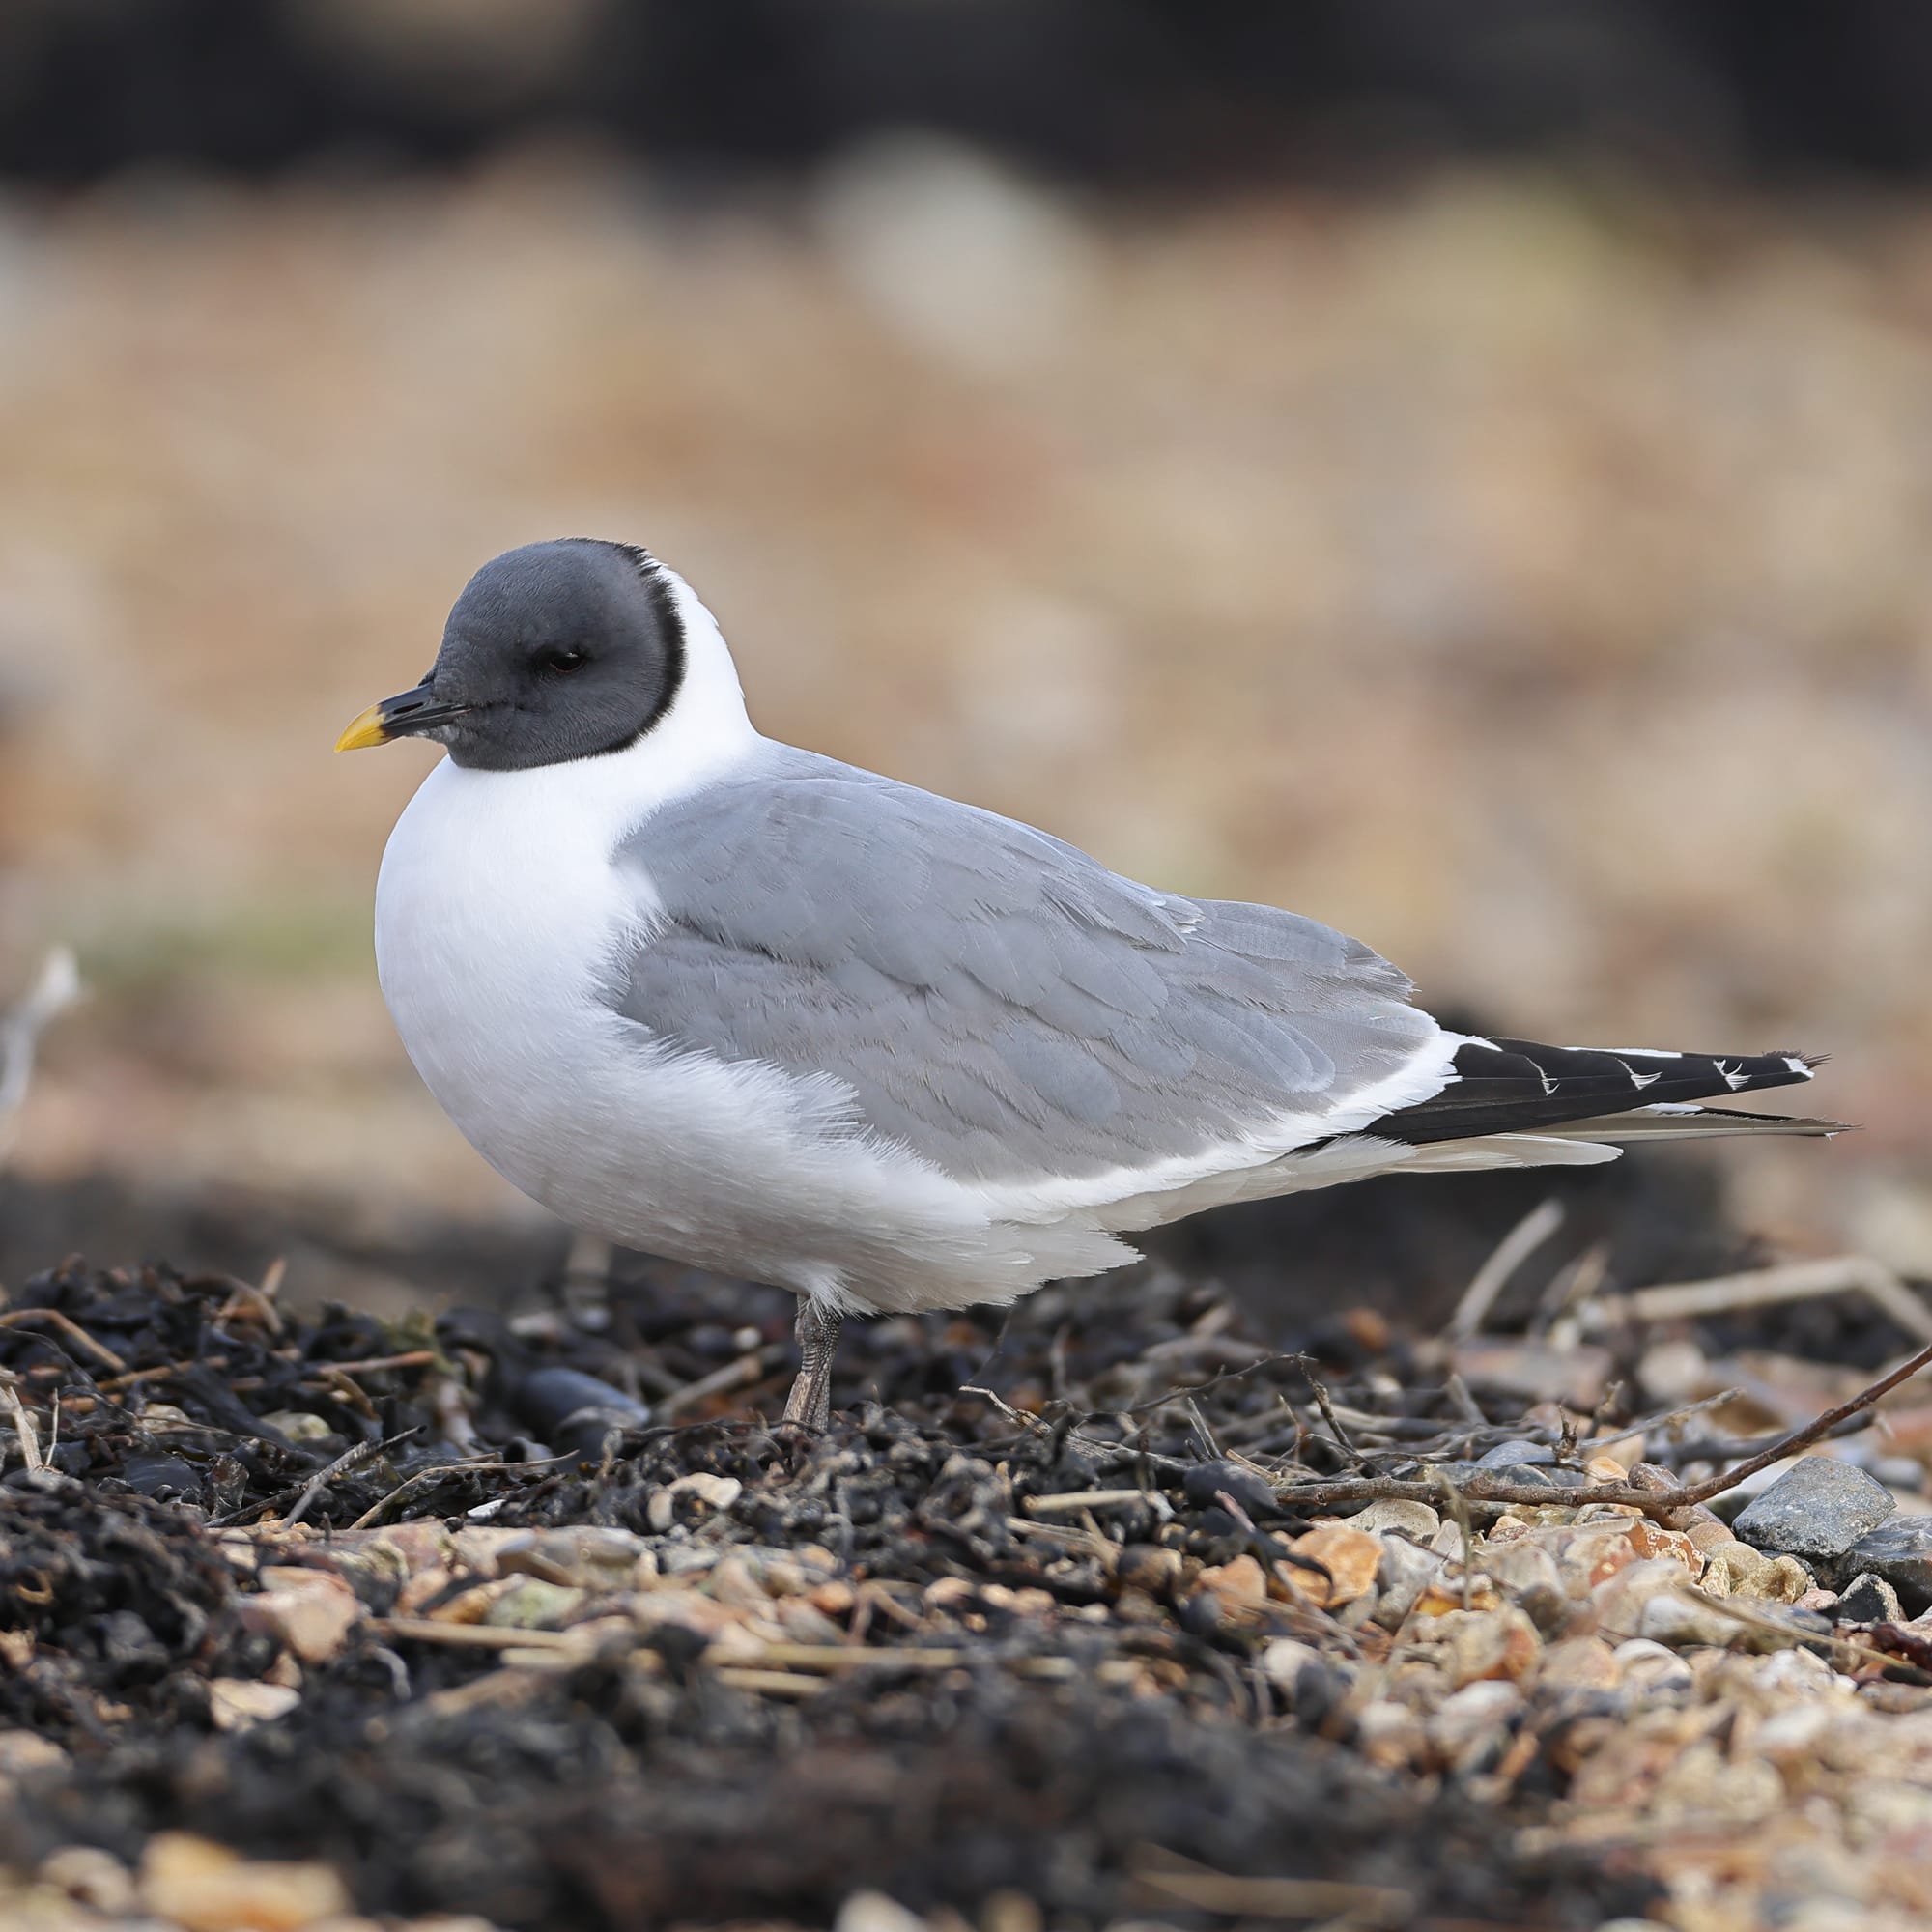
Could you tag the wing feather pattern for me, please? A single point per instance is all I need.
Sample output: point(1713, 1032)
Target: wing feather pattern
point(993, 998)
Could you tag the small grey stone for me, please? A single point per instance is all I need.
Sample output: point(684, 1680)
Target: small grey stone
point(1527, 1475)
point(1899, 1473)
point(1900, 1551)
point(1819, 1507)
point(1507, 1454)
point(1869, 1599)
point(1405, 1571)
point(1527, 1575)
point(1416, 1520)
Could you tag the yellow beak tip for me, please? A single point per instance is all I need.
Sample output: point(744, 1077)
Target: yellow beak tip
point(363, 731)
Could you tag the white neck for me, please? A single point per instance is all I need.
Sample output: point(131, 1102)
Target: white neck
point(705, 729)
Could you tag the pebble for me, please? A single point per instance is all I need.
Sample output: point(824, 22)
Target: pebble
point(1802, 1671)
point(1011, 1911)
point(1707, 1530)
point(309, 1616)
point(584, 1554)
point(1900, 1551)
point(1390, 1734)
point(1471, 1720)
point(297, 1425)
point(1651, 1669)
point(1284, 1659)
point(207, 1888)
point(1148, 1567)
point(1819, 1507)
point(874, 1911)
point(717, 1493)
point(93, 1878)
point(1682, 1620)
point(1240, 1588)
point(1527, 1575)
point(1476, 1645)
point(238, 1703)
point(1594, 1552)
point(1869, 1599)
point(532, 1603)
point(1351, 1556)
point(1617, 1604)
point(1648, 1538)
point(1416, 1520)
point(23, 1751)
point(1792, 1735)
point(1405, 1571)
point(1737, 1570)
point(1580, 1663)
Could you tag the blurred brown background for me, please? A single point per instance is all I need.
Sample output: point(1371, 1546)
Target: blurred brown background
point(1468, 480)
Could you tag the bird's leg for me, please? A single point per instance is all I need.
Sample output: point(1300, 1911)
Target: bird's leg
point(810, 1400)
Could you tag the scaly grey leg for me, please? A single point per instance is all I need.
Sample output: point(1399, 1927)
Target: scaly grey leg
point(810, 1400)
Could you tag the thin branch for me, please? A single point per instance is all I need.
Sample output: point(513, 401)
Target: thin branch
point(1202, 1388)
point(350, 1458)
point(1803, 1438)
point(1662, 1504)
point(414, 1358)
point(57, 988)
point(72, 1329)
point(376, 1511)
point(24, 1427)
point(743, 1372)
point(1755, 1619)
point(1762, 1287)
point(1359, 1458)
point(1493, 1277)
point(1664, 1418)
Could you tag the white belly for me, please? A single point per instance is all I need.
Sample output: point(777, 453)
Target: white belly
point(499, 927)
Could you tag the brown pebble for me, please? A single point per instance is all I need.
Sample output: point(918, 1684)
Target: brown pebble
point(1352, 1557)
point(1240, 1588)
point(1147, 1566)
point(207, 1888)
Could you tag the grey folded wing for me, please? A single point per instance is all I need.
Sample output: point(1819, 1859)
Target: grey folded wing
point(995, 1000)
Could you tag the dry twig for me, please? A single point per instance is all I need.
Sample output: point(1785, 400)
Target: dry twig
point(73, 1330)
point(57, 988)
point(24, 1427)
point(349, 1458)
point(376, 1511)
point(1220, 1892)
point(1763, 1287)
point(740, 1373)
point(1493, 1277)
point(1662, 1504)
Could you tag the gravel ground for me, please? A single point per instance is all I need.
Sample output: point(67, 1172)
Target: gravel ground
point(538, 1617)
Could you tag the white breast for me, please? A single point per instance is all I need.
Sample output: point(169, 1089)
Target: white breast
point(499, 922)
point(495, 916)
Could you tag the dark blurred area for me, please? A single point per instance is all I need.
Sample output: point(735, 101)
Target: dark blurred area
point(1125, 93)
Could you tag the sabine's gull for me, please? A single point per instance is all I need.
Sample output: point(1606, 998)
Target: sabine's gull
point(722, 999)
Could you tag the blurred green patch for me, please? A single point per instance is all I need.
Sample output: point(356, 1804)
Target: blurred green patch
point(260, 938)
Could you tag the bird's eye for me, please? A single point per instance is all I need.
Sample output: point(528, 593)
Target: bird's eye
point(564, 661)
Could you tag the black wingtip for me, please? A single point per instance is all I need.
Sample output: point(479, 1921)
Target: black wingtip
point(1515, 1086)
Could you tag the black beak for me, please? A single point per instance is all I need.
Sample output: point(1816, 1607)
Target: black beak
point(407, 715)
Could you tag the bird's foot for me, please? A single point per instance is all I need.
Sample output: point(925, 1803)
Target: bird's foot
point(811, 1398)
